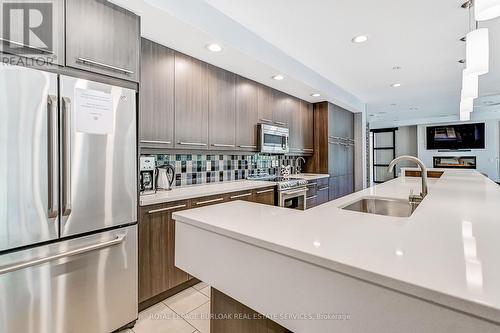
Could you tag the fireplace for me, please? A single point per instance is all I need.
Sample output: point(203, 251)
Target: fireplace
point(455, 162)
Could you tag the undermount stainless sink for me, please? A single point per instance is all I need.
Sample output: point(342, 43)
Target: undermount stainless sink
point(382, 206)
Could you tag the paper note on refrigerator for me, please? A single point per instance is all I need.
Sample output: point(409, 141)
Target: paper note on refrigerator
point(94, 111)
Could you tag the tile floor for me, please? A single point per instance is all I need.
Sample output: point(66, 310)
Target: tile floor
point(185, 312)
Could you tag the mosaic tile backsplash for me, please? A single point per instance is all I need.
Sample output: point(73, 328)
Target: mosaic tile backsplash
point(209, 168)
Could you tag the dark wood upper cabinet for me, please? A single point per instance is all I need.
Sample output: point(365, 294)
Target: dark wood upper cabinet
point(247, 115)
point(156, 98)
point(281, 111)
point(307, 122)
point(222, 109)
point(294, 123)
point(191, 103)
point(103, 38)
point(265, 104)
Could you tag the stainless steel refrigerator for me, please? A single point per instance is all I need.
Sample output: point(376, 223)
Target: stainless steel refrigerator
point(68, 204)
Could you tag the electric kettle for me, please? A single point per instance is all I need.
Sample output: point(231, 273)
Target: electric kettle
point(166, 176)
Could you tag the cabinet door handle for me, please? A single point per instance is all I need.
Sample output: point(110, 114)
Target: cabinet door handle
point(265, 191)
point(100, 64)
point(165, 209)
point(156, 141)
point(192, 143)
point(209, 201)
point(313, 197)
point(222, 145)
point(241, 195)
point(53, 165)
point(323, 188)
point(280, 123)
point(266, 120)
point(246, 146)
point(312, 184)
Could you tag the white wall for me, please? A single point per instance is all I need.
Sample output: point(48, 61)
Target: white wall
point(406, 144)
point(487, 159)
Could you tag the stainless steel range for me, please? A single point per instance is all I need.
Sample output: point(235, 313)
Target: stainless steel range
point(292, 192)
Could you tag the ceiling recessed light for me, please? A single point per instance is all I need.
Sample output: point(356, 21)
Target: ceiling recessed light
point(413, 108)
point(400, 253)
point(278, 77)
point(395, 85)
point(315, 95)
point(359, 39)
point(396, 68)
point(393, 104)
point(214, 47)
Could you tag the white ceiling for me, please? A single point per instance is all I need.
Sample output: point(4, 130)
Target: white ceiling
point(422, 37)
point(310, 43)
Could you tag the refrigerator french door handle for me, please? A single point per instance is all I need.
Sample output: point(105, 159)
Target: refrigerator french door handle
point(53, 167)
point(66, 156)
point(89, 248)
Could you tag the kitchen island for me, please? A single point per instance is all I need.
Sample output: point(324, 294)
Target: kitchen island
point(328, 269)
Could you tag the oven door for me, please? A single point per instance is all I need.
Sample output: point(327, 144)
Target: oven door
point(294, 199)
point(273, 139)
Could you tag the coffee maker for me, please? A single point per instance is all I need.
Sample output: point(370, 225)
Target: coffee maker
point(147, 175)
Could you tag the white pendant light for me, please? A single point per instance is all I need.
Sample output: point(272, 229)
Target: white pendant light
point(478, 51)
point(486, 9)
point(470, 85)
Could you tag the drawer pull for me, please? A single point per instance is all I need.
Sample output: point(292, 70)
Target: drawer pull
point(156, 141)
point(308, 149)
point(280, 123)
point(246, 146)
point(222, 145)
point(192, 143)
point(165, 209)
point(241, 195)
point(265, 191)
point(323, 188)
point(266, 120)
point(312, 197)
point(312, 184)
point(209, 201)
point(100, 64)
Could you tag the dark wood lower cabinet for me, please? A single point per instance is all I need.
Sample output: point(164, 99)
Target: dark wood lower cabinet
point(230, 316)
point(159, 278)
point(266, 196)
point(157, 272)
point(318, 192)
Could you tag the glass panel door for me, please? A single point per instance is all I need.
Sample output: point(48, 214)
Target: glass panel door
point(383, 152)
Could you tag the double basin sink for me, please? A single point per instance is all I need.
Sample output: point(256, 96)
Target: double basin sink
point(382, 206)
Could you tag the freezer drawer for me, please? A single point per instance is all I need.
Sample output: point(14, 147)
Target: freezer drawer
point(86, 285)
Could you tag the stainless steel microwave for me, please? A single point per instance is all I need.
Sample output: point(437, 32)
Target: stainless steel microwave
point(272, 139)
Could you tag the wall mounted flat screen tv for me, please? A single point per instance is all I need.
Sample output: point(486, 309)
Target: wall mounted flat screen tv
point(462, 136)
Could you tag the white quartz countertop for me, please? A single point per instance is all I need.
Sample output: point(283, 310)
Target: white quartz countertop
point(447, 252)
point(201, 190)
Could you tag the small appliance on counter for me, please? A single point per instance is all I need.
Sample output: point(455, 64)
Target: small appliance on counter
point(147, 175)
point(166, 175)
